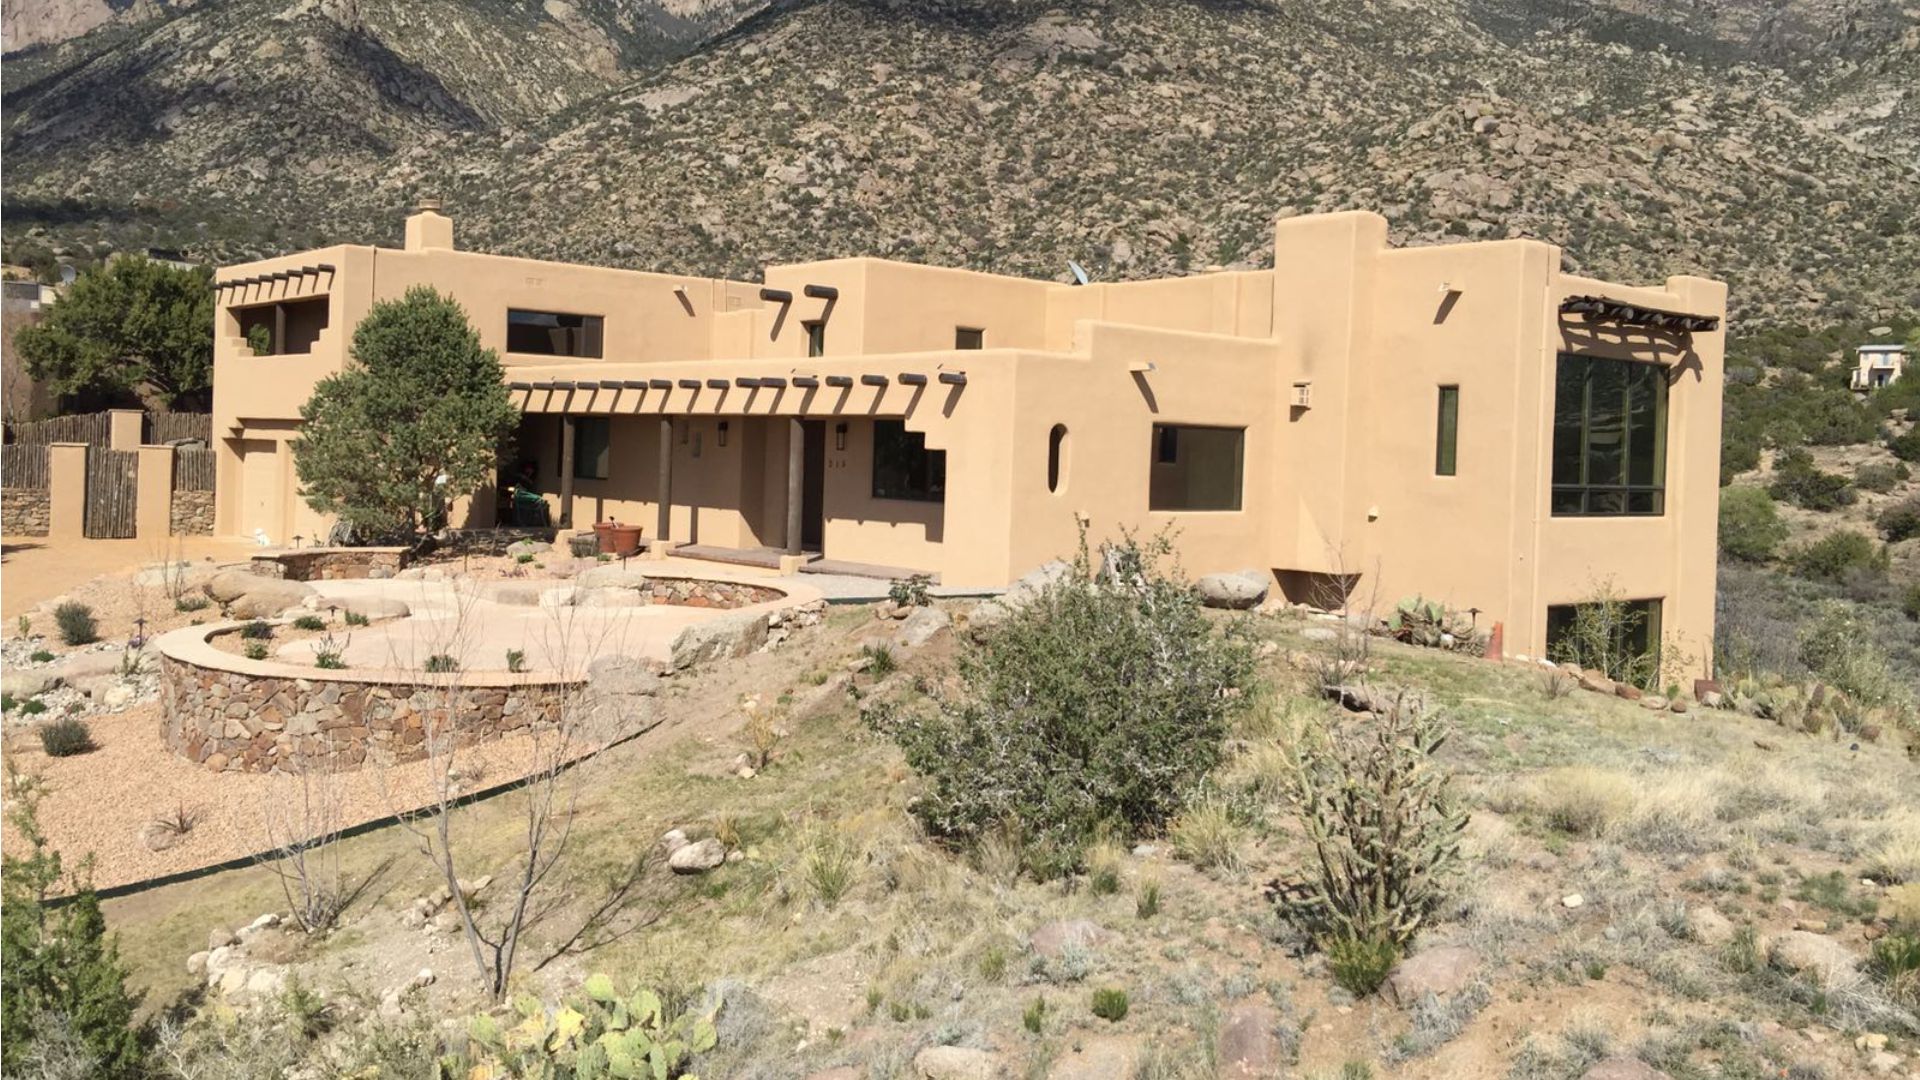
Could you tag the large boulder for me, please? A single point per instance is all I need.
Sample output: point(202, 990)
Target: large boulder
point(22, 683)
point(176, 575)
point(611, 577)
point(610, 597)
point(1035, 581)
point(227, 586)
point(1249, 1042)
point(622, 675)
point(1807, 953)
point(697, 857)
point(955, 1063)
point(374, 607)
point(1055, 938)
point(1237, 591)
point(1439, 972)
point(923, 626)
point(272, 597)
point(1707, 926)
point(721, 638)
point(620, 696)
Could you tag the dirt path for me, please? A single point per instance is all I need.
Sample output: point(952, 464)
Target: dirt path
point(34, 569)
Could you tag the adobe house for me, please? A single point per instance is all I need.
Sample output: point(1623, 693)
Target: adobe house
point(1877, 366)
point(1464, 421)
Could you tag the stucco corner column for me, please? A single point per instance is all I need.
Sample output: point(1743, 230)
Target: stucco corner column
point(66, 491)
point(153, 508)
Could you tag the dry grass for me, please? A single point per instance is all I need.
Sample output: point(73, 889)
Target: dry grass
point(1583, 801)
point(1207, 835)
point(1896, 859)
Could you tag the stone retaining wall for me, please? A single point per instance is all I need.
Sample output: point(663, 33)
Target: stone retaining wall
point(703, 593)
point(192, 513)
point(332, 564)
point(236, 722)
point(25, 511)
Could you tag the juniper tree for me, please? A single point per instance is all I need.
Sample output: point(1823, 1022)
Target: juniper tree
point(416, 419)
point(131, 326)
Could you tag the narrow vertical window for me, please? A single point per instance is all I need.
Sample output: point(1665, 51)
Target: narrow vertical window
point(816, 338)
point(1446, 443)
point(1056, 456)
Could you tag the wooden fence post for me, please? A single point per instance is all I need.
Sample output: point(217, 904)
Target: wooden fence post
point(66, 491)
point(153, 509)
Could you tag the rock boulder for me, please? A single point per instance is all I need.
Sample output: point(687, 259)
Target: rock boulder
point(1237, 591)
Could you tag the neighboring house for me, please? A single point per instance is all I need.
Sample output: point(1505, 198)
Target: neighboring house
point(22, 303)
point(1878, 366)
point(1462, 421)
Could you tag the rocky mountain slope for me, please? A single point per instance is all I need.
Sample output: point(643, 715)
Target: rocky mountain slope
point(1775, 145)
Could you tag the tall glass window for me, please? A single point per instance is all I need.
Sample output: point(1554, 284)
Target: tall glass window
point(1446, 449)
point(1196, 468)
point(1609, 437)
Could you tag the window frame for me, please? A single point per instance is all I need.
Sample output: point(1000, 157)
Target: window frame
point(960, 338)
point(1651, 496)
point(931, 485)
point(816, 337)
point(1446, 434)
point(596, 340)
point(1166, 440)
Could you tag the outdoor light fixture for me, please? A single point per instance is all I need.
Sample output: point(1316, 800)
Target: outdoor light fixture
point(839, 436)
point(722, 440)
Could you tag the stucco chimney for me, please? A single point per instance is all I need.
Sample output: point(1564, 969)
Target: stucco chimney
point(428, 228)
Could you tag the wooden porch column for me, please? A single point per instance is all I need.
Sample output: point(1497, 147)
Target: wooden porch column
point(796, 474)
point(566, 470)
point(666, 477)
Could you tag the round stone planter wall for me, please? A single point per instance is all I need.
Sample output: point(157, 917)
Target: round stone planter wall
point(227, 719)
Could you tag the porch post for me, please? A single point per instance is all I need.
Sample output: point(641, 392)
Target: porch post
point(666, 477)
point(566, 470)
point(796, 471)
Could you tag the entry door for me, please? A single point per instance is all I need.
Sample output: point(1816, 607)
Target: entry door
point(260, 495)
point(813, 483)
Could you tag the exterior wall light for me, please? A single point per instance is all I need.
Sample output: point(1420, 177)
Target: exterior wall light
point(839, 436)
point(722, 440)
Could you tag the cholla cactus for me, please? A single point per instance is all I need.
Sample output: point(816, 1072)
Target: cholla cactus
point(1384, 828)
point(601, 1037)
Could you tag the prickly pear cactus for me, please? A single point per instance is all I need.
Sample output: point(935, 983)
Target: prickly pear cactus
point(600, 1035)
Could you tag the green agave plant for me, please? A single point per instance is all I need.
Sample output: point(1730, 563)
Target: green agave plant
point(601, 1035)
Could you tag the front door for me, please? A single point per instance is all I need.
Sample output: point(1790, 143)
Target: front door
point(813, 482)
point(260, 495)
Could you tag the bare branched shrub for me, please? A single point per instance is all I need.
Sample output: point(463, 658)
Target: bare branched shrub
point(301, 813)
point(1385, 833)
point(1555, 682)
point(1351, 657)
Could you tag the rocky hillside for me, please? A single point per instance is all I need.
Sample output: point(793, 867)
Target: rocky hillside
point(1773, 144)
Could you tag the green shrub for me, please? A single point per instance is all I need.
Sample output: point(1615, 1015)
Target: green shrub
point(309, 622)
point(441, 664)
point(880, 660)
point(32, 707)
point(255, 650)
point(598, 1033)
point(1896, 963)
point(1840, 648)
point(1910, 602)
point(1094, 705)
point(42, 656)
point(59, 968)
point(76, 624)
point(1110, 1004)
point(1797, 480)
point(1901, 521)
point(1146, 901)
point(190, 603)
point(910, 592)
point(1360, 965)
point(1385, 833)
point(1840, 556)
point(65, 737)
point(7, 701)
point(1035, 1015)
point(1906, 447)
point(355, 618)
point(257, 630)
point(516, 660)
point(1750, 525)
point(1880, 477)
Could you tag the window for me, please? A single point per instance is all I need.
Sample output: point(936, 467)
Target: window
point(1447, 435)
point(1196, 468)
point(592, 446)
point(903, 467)
point(1056, 456)
point(816, 338)
point(967, 337)
point(551, 333)
point(1609, 437)
point(1620, 638)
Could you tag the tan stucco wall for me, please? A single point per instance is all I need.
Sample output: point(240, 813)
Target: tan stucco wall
point(1347, 484)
